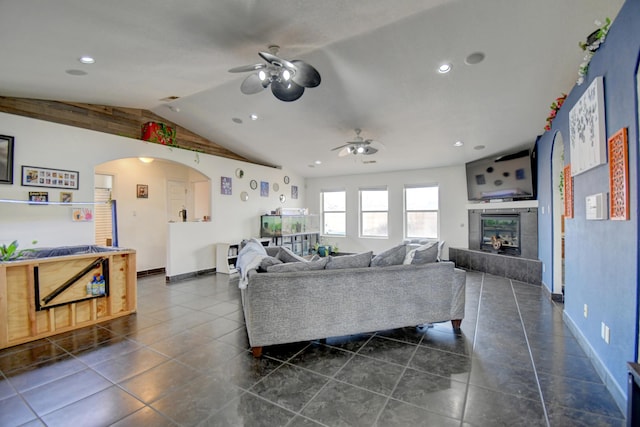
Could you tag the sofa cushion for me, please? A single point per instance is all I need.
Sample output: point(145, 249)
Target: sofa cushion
point(267, 262)
point(393, 256)
point(350, 261)
point(272, 250)
point(298, 266)
point(287, 255)
point(423, 254)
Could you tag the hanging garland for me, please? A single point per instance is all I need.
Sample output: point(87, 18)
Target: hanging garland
point(555, 107)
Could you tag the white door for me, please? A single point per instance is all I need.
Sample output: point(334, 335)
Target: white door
point(176, 200)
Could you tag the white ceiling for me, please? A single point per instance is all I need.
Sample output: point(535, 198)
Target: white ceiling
point(377, 59)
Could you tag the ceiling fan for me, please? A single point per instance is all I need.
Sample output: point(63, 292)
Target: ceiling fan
point(359, 145)
point(287, 78)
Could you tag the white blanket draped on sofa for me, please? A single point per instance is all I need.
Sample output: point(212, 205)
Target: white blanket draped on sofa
point(249, 258)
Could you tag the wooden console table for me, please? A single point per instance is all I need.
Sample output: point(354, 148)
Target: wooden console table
point(40, 297)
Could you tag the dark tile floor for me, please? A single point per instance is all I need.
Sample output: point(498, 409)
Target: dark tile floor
point(183, 359)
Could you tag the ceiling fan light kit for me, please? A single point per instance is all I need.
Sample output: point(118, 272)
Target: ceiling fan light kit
point(288, 79)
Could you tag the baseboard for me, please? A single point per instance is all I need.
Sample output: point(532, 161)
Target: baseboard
point(550, 295)
point(190, 275)
point(151, 272)
point(619, 395)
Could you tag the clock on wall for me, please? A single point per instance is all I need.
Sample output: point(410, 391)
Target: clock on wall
point(253, 184)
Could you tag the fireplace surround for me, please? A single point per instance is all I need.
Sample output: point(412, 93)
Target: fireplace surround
point(516, 257)
point(526, 232)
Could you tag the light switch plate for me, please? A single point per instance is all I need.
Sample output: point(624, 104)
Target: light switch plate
point(596, 208)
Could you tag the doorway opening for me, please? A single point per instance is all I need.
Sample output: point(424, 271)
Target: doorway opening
point(557, 181)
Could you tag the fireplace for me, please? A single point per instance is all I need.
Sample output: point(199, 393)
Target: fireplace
point(517, 229)
point(500, 233)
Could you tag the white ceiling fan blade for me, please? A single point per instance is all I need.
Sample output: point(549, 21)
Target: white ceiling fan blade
point(342, 146)
point(305, 74)
point(346, 151)
point(252, 84)
point(277, 61)
point(245, 68)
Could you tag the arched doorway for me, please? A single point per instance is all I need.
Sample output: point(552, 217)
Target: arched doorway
point(557, 182)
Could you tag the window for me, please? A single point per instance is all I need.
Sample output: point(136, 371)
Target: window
point(334, 215)
point(421, 212)
point(374, 212)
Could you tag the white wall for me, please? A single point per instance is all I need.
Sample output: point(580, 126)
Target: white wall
point(453, 199)
point(45, 144)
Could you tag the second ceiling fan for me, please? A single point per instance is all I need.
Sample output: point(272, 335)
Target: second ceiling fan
point(357, 146)
point(287, 79)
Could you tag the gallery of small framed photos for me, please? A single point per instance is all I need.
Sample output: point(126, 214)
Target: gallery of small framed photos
point(34, 176)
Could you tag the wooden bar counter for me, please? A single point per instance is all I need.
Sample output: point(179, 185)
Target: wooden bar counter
point(46, 293)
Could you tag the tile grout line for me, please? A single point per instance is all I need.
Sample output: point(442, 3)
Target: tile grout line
point(404, 369)
point(533, 363)
point(324, 386)
point(473, 347)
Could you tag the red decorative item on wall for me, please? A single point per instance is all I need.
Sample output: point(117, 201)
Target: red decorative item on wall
point(568, 192)
point(159, 133)
point(619, 176)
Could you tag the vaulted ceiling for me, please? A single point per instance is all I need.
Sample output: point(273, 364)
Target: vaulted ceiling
point(378, 61)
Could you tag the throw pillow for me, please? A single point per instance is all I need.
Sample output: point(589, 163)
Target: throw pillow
point(287, 255)
point(267, 262)
point(440, 246)
point(298, 266)
point(349, 261)
point(393, 256)
point(423, 254)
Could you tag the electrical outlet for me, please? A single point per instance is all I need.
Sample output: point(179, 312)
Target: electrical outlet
point(586, 311)
point(607, 334)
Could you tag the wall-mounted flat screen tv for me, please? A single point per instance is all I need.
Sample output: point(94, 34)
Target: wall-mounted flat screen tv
point(509, 176)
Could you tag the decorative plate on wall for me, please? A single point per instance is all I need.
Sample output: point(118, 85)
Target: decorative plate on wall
point(244, 196)
point(239, 173)
point(276, 187)
point(283, 198)
point(253, 184)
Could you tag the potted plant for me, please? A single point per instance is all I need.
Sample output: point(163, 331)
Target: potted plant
point(11, 252)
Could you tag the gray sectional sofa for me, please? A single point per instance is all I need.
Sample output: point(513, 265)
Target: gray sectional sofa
point(285, 307)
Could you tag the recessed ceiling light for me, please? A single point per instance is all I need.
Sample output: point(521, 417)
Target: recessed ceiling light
point(253, 117)
point(444, 68)
point(479, 147)
point(87, 59)
point(237, 120)
point(474, 58)
point(76, 72)
point(458, 144)
point(318, 162)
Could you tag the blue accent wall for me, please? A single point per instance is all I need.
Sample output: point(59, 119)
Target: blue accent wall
point(601, 257)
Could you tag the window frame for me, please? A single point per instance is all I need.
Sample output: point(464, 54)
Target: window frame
point(406, 211)
point(323, 231)
point(361, 212)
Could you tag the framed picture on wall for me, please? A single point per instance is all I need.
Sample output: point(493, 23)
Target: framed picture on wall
point(225, 185)
point(35, 176)
point(38, 197)
point(6, 159)
point(142, 191)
